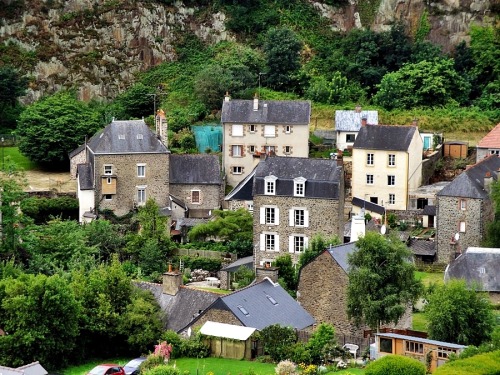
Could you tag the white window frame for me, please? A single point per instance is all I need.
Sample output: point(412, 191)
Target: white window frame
point(270, 185)
point(392, 199)
point(391, 161)
point(265, 215)
point(237, 130)
point(299, 187)
point(463, 204)
point(288, 129)
point(108, 169)
point(269, 131)
point(264, 241)
point(391, 180)
point(370, 159)
point(237, 169)
point(108, 197)
point(298, 217)
point(297, 243)
point(141, 195)
point(269, 149)
point(369, 179)
point(461, 226)
point(239, 149)
point(142, 167)
point(249, 205)
point(252, 128)
point(193, 194)
point(349, 135)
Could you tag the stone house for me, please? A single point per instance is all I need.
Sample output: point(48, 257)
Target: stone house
point(252, 128)
point(259, 305)
point(489, 145)
point(295, 199)
point(387, 165)
point(348, 123)
point(464, 208)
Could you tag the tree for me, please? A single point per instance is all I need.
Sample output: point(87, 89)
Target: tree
point(492, 237)
point(50, 128)
point(278, 341)
point(316, 246)
point(282, 47)
point(136, 102)
point(459, 314)
point(12, 86)
point(395, 365)
point(286, 273)
point(227, 226)
point(322, 342)
point(381, 281)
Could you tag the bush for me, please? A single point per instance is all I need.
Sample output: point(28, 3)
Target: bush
point(162, 369)
point(482, 364)
point(286, 368)
point(42, 209)
point(175, 340)
point(194, 348)
point(395, 365)
point(151, 362)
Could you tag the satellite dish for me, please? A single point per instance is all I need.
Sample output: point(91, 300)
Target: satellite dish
point(383, 229)
point(457, 236)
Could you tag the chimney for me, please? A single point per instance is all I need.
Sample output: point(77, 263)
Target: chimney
point(261, 272)
point(414, 122)
point(172, 280)
point(255, 102)
point(364, 120)
point(358, 109)
point(161, 127)
point(227, 97)
point(488, 180)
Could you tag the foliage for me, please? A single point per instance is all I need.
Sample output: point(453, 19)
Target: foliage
point(381, 281)
point(12, 86)
point(55, 125)
point(277, 341)
point(108, 238)
point(163, 370)
point(287, 272)
point(195, 347)
point(395, 365)
point(286, 367)
point(492, 238)
point(41, 209)
point(482, 364)
point(207, 264)
point(321, 342)
point(424, 27)
point(163, 349)
point(136, 102)
point(459, 314)
point(244, 276)
point(317, 245)
point(175, 341)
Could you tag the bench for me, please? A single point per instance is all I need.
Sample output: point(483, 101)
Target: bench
point(352, 348)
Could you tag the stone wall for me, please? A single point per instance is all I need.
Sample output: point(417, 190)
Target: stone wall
point(210, 197)
point(216, 315)
point(79, 158)
point(429, 164)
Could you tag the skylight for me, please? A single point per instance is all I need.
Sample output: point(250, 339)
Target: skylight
point(271, 299)
point(243, 310)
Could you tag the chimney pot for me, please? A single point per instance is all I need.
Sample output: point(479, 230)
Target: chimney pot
point(255, 102)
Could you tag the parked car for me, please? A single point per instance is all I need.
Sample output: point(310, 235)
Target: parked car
point(132, 368)
point(107, 369)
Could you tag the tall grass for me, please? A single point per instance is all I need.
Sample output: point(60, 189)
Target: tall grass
point(21, 161)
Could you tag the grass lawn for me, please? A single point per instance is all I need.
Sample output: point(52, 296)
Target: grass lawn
point(222, 366)
point(419, 322)
point(429, 278)
point(86, 367)
point(21, 161)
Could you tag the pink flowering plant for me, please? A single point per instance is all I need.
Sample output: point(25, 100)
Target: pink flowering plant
point(163, 349)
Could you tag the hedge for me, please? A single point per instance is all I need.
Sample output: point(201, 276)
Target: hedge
point(482, 364)
point(395, 365)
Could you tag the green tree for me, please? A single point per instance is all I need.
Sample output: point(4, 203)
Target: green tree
point(316, 246)
point(227, 226)
point(460, 314)
point(492, 237)
point(286, 273)
point(50, 128)
point(485, 49)
point(321, 342)
point(282, 49)
point(136, 102)
point(105, 237)
point(381, 281)
point(12, 86)
point(41, 315)
point(278, 341)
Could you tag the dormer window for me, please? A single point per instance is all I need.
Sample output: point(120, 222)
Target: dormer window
point(299, 187)
point(121, 136)
point(270, 185)
point(139, 136)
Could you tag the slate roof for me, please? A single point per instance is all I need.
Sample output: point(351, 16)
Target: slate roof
point(200, 169)
point(263, 304)
point(385, 137)
point(76, 151)
point(423, 247)
point(369, 206)
point(323, 176)
point(477, 265)
point(351, 120)
point(178, 201)
point(233, 267)
point(470, 183)
point(429, 210)
point(85, 176)
point(34, 368)
point(244, 190)
point(126, 137)
point(422, 340)
point(341, 252)
point(492, 139)
point(287, 112)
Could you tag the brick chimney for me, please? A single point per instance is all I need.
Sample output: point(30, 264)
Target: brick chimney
point(262, 272)
point(161, 126)
point(172, 280)
point(255, 102)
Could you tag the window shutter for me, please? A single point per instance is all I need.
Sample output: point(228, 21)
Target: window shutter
point(277, 243)
point(306, 243)
point(262, 243)
point(262, 215)
point(290, 244)
point(291, 219)
point(306, 218)
point(277, 216)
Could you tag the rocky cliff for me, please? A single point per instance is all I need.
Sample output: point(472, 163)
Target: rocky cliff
point(97, 46)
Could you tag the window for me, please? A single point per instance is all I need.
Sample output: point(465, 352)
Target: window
point(253, 128)
point(121, 136)
point(369, 179)
point(461, 227)
point(269, 149)
point(270, 185)
point(237, 170)
point(237, 130)
point(109, 180)
point(108, 197)
point(414, 347)
point(421, 203)
point(288, 129)
point(369, 159)
point(139, 136)
point(269, 131)
point(298, 217)
point(237, 150)
point(270, 242)
point(270, 215)
point(392, 198)
point(444, 352)
point(195, 196)
point(495, 152)
point(287, 150)
point(141, 170)
point(350, 138)
point(391, 180)
point(463, 204)
point(251, 149)
point(298, 244)
point(299, 186)
point(108, 169)
point(141, 195)
point(385, 345)
point(392, 160)
point(374, 200)
point(249, 205)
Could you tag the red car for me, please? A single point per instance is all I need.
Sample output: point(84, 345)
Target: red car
point(107, 369)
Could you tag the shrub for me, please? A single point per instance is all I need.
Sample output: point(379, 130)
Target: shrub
point(395, 365)
point(194, 347)
point(175, 340)
point(151, 362)
point(42, 209)
point(162, 369)
point(286, 368)
point(482, 364)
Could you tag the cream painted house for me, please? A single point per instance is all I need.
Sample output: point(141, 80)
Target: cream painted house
point(255, 128)
point(387, 165)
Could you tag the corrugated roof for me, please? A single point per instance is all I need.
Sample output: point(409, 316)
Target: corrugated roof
point(422, 340)
point(385, 137)
point(227, 331)
point(470, 183)
point(125, 137)
point(287, 112)
point(200, 169)
point(351, 120)
point(492, 139)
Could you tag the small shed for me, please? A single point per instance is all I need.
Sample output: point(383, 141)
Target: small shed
point(455, 149)
point(229, 341)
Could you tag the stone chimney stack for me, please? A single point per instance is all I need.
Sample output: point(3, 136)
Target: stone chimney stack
point(172, 280)
point(227, 97)
point(255, 102)
point(262, 272)
point(161, 126)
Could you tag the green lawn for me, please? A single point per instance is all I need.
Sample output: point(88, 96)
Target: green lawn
point(86, 367)
point(430, 277)
point(419, 322)
point(21, 161)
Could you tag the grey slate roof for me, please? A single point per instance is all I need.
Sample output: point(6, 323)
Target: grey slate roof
point(477, 265)
point(178, 201)
point(422, 340)
point(429, 210)
point(323, 176)
point(385, 137)
point(351, 120)
point(233, 267)
point(341, 252)
point(423, 247)
point(470, 183)
point(244, 189)
point(369, 206)
point(200, 169)
point(85, 176)
point(77, 150)
point(125, 137)
point(34, 368)
point(287, 112)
